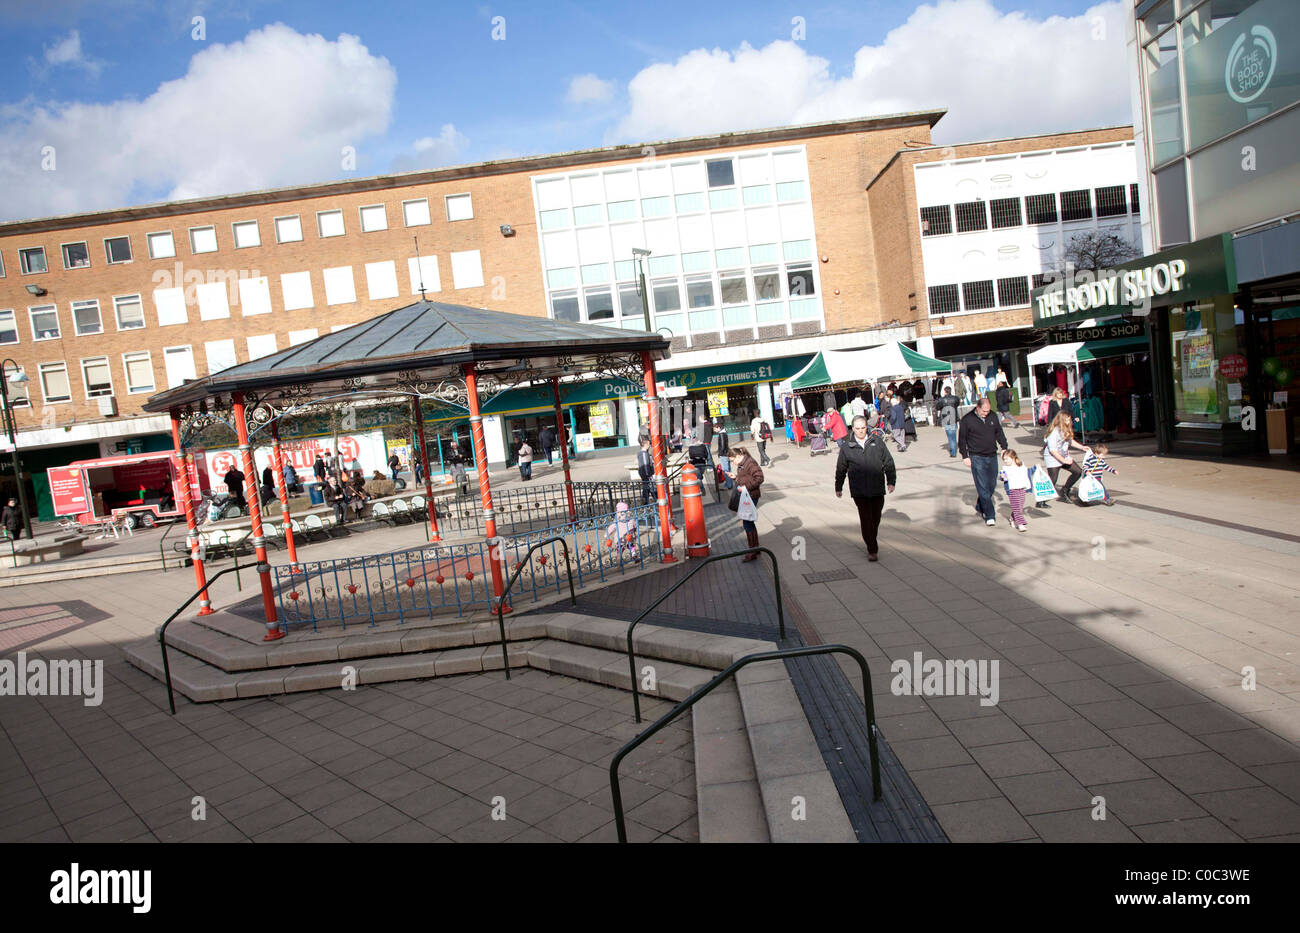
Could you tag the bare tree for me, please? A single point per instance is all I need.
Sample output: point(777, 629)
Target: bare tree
point(1094, 250)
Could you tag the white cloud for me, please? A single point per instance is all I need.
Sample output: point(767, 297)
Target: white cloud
point(998, 74)
point(588, 88)
point(433, 151)
point(66, 51)
point(276, 108)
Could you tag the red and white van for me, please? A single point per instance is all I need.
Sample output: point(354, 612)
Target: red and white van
point(145, 488)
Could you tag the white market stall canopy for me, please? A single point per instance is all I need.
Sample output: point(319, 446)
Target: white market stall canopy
point(1084, 351)
point(832, 367)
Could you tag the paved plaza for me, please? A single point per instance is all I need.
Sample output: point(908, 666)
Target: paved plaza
point(1121, 636)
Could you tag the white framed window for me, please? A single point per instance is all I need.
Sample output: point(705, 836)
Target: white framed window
point(296, 288)
point(329, 223)
point(117, 249)
point(467, 269)
point(460, 207)
point(426, 270)
point(161, 245)
point(8, 328)
point(203, 240)
point(55, 386)
point(32, 260)
point(138, 367)
point(245, 234)
point(97, 376)
point(221, 355)
point(335, 328)
point(76, 255)
point(255, 296)
point(302, 336)
point(261, 345)
point(416, 213)
point(214, 301)
point(85, 318)
point(381, 280)
point(170, 305)
point(179, 365)
point(45, 322)
point(2, 265)
point(129, 312)
point(340, 289)
point(288, 229)
point(374, 217)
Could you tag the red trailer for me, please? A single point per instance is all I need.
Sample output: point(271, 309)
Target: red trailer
point(144, 488)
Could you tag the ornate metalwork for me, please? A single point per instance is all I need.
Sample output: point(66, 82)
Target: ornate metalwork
point(620, 366)
point(522, 372)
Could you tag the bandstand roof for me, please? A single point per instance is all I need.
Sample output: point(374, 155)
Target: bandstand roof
point(424, 344)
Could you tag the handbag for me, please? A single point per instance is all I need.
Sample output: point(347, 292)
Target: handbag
point(1090, 489)
point(1044, 489)
point(746, 511)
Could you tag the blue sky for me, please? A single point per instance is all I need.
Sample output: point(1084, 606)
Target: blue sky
point(136, 109)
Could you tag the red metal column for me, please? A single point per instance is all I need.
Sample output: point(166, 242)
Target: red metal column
point(186, 462)
point(484, 484)
point(273, 630)
point(428, 480)
point(660, 458)
point(564, 448)
point(277, 464)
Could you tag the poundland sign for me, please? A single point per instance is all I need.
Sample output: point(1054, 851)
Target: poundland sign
point(1197, 270)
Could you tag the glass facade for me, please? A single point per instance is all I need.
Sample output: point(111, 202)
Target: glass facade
point(1202, 335)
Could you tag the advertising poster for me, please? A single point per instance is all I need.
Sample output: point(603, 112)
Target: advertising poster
point(369, 448)
point(718, 403)
point(1198, 352)
point(601, 418)
point(583, 443)
point(67, 491)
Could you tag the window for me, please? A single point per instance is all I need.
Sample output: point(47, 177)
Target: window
point(667, 296)
point(1006, 212)
point(588, 214)
point(161, 245)
point(1041, 279)
point(129, 312)
point(1132, 199)
point(699, 292)
point(329, 223)
point(170, 304)
point(55, 386)
point(943, 299)
point(32, 260)
point(179, 365)
point(1076, 205)
point(1111, 202)
point(221, 355)
point(600, 304)
point(621, 210)
point(374, 217)
point(139, 372)
point(722, 172)
point(936, 221)
point(1040, 209)
point(972, 215)
point(800, 278)
point(977, 296)
point(690, 203)
point(424, 273)
point(288, 229)
point(8, 328)
point(555, 219)
point(261, 345)
point(466, 269)
point(45, 322)
point(381, 280)
point(767, 284)
point(340, 289)
point(735, 290)
point(97, 376)
point(246, 234)
point(85, 318)
point(791, 191)
point(76, 256)
point(459, 207)
point(117, 249)
point(755, 195)
point(203, 240)
point(655, 207)
point(629, 302)
point(416, 213)
point(1013, 291)
point(564, 306)
point(296, 289)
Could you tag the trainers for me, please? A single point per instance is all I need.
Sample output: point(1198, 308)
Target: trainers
point(1022, 528)
point(873, 557)
point(990, 522)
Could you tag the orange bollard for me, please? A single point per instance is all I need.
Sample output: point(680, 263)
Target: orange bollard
point(697, 536)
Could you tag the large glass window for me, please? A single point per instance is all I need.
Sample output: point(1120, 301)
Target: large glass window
point(976, 296)
point(667, 295)
point(1201, 335)
point(800, 278)
point(139, 372)
point(117, 249)
point(1164, 103)
point(564, 306)
point(76, 255)
point(1013, 292)
point(161, 245)
point(97, 376)
point(1076, 205)
point(45, 322)
point(629, 301)
point(1111, 201)
point(32, 260)
point(699, 292)
point(767, 284)
point(735, 290)
point(55, 386)
point(85, 318)
point(129, 312)
point(721, 173)
point(600, 304)
point(943, 299)
point(936, 221)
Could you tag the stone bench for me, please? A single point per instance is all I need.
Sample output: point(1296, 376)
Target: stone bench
point(64, 546)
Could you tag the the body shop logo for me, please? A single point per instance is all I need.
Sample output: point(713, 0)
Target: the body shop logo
point(1250, 66)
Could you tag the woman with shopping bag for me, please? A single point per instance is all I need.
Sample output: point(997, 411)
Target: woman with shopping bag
point(1056, 451)
point(744, 498)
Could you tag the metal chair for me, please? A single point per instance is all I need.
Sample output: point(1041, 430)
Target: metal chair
point(402, 510)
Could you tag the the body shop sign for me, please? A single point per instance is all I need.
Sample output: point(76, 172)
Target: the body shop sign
point(1197, 270)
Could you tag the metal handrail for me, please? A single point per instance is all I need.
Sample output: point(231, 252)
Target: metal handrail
point(162, 633)
point(163, 540)
point(780, 611)
point(519, 568)
point(780, 654)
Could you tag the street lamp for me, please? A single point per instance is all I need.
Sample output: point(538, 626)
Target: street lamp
point(639, 257)
point(17, 378)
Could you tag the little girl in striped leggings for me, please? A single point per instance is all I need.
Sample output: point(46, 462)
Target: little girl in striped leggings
point(1017, 482)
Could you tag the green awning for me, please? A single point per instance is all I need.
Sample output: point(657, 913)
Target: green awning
point(921, 363)
point(1099, 349)
point(842, 367)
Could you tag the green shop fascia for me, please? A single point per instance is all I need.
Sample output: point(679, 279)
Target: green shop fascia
point(731, 390)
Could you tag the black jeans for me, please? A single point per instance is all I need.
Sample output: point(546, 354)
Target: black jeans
point(869, 509)
point(763, 458)
point(1074, 471)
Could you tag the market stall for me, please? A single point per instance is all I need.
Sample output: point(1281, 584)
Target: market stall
point(830, 375)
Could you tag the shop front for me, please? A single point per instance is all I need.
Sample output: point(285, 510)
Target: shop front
point(990, 355)
point(1105, 370)
point(734, 393)
point(595, 416)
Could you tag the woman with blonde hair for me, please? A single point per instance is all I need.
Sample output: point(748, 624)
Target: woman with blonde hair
point(1060, 403)
point(1056, 451)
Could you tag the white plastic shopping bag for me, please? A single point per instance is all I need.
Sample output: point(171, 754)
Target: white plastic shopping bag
point(1091, 490)
point(1044, 490)
point(746, 511)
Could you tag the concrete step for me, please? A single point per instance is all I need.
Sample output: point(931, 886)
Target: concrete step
point(728, 798)
point(84, 567)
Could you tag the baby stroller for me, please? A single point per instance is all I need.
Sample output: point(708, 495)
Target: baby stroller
point(816, 444)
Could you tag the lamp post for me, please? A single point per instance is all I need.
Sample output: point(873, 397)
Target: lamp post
point(19, 377)
point(639, 257)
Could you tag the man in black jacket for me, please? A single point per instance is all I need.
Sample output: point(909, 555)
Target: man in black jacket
point(234, 480)
point(870, 469)
point(546, 440)
point(979, 437)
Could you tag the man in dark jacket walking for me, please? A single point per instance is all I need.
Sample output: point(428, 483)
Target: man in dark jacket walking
point(546, 439)
point(979, 437)
point(1003, 396)
point(870, 468)
point(12, 519)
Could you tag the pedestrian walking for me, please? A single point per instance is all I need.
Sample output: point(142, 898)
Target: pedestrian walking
point(394, 465)
point(869, 466)
point(12, 519)
point(290, 478)
point(1003, 396)
point(948, 408)
point(761, 432)
point(547, 439)
point(1056, 451)
point(836, 427)
point(749, 477)
point(645, 468)
point(1016, 477)
point(898, 424)
point(525, 461)
point(318, 467)
point(1094, 464)
point(979, 436)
